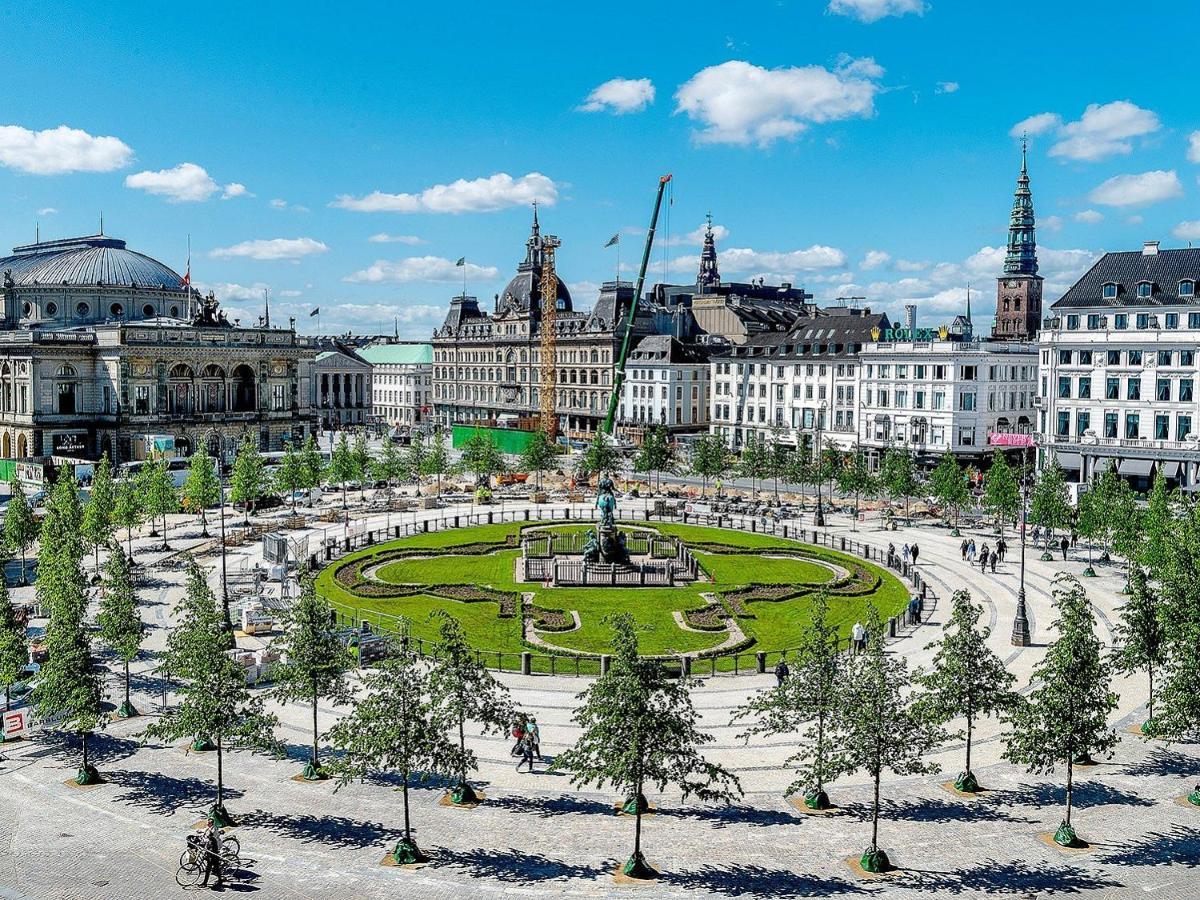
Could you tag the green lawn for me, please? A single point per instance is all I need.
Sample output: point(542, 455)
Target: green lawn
point(775, 625)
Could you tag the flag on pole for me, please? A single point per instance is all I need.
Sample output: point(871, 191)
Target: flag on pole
point(314, 312)
point(462, 261)
point(186, 281)
point(615, 239)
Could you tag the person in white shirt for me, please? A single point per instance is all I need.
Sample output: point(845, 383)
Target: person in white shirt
point(858, 634)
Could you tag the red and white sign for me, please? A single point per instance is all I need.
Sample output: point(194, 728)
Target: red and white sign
point(1009, 439)
point(16, 723)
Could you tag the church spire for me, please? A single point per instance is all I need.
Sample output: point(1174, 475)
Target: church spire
point(1021, 257)
point(708, 276)
point(533, 246)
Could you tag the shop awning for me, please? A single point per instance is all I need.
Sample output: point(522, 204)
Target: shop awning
point(1136, 467)
point(1169, 469)
point(1069, 460)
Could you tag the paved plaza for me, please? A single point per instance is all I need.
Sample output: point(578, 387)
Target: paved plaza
point(536, 835)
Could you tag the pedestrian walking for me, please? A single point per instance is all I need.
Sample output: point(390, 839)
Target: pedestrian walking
point(904, 552)
point(211, 864)
point(962, 548)
point(1065, 544)
point(1074, 538)
point(526, 754)
point(1037, 531)
point(971, 551)
point(992, 562)
point(983, 559)
point(1001, 548)
point(781, 671)
point(535, 737)
point(858, 635)
point(914, 608)
point(518, 733)
point(916, 551)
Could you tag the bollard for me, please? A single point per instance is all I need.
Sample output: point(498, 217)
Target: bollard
point(685, 666)
point(760, 661)
point(605, 663)
point(489, 517)
point(892, 627)
point(370, 538)
point(425, 526)
point(526, 662)
point(346, 544)
point(753, 525)
point(843, 543)
point(924, 591)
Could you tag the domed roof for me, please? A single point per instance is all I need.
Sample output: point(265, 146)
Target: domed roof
point(88, 261)
point(524, 291)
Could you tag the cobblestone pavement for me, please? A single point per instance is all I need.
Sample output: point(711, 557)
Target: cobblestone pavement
point(537, 836)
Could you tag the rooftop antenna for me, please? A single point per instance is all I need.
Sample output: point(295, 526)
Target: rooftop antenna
point(852, 302)
point(266, 307)
point(37, 232)
point(101, 221)
point(396, 328)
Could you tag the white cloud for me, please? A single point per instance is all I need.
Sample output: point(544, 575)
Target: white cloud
point(1088, 216)
point(584, 293)
point(420, 268)
point(496, 192)
point(693, 238)
point(385, 238)
point(1051, 223)
point(1188, 231)
point(278, 203)
point(1104, 130)
point(873, 10)
point(57, 151)
point(907, 265)
point(1034, 125)
point(779, 265)
point(291, 293)
point(47, 211)
point(185, 183)
point(1193, 153)
point(946, 87)
point(1137, 190)
point(740, 103)
point(1134, 220)
point(875, 259)
point(272, 249)
point(232, 292)
point(233, 189)
point(620, 95)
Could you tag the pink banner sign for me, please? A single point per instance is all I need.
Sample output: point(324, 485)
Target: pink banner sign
point(1009, 439)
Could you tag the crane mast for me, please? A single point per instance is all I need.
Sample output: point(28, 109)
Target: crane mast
point(549, 420)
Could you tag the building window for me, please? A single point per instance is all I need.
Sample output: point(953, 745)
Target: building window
point(966, 401)
point(1143, 320)
point(51, 309)
point(1083, 421)
point(1064, 387)
point(1131, 426)
point(278, 397)
point(1185, 390)
point(1187, 357)
point(1110, 424)
point(1121, 321)
point(1064, 357)
point(1164, 357)
point(1162, 390)
point(1183, 427)
point(1114, 357)
point(1064, 424)
point(1072, 323)
point(1085, 359)
point(66, 397)
point(1172, 320)
point(1162, 427)
point(1110, 291)
point(1133, 389)
point(1187, 288)
point(1193, 320)
point(1085, 388)
point(1093, 322)
point(141, 399)
point(1135, 357)
point(1112, 388)
point(1144, 288)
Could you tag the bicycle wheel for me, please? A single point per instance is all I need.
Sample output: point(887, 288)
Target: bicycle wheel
point(188, 875)
point(231, 845)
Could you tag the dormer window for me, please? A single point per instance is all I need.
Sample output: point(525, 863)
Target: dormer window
point(1145, 289)
point(1187, 288)
point(1110, 290)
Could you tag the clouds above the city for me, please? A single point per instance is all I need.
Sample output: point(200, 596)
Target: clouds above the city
point(495, 192)
point(1187, 231)
point(1137, 190)
point(290, 249)
point(1193, 152)
point(738, 102)
point(60, 151)
point(787, 265)
point(1104, 130)
point(620, 96)
point(420, 268)
point(384, 238)
point(869, 11)
point(184, 183)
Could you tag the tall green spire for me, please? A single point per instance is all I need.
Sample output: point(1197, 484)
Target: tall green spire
point(1021, 258)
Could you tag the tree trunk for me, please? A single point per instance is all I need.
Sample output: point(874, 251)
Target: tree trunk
point(1070, 779)
point(85, 751)
point(407, 825)
point(128, 545)
point(203, 522)
point(7, 699)
point(96, 549)
point(220, 774)
point(126, 684)
point(637, 829)
point(820, 758)
point(462, 746)
point(970, 727)
point(316, 761)
point(24, 575)
point(1150, 710)
point(875, 814)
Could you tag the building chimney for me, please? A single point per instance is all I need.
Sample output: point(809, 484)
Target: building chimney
point(910, 316)
point(1150, 248)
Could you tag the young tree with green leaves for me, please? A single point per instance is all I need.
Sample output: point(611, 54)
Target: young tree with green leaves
point(159, 497)
point(436, 461)
point(1140, 641)
point(312, 462)
point(1050, 502)
point(1090, 524)
point(778, 461)
point(949, 484)
point(898, 476)
point(482, 458)
point(461, 689)
point(600, 457)
point(14, 647)
point(1158, 525)
point(214, 701)
point(393, 728)
point(360, 455)
point(97, 513)
point(753, 461)
point(128, 512)
point(314, 664)
point(203, 486)
point(710, 459)
point(248, 482)
point(292, 474)
point(119, 620)
point(20, 527)
point(639, 727)
point(855, 478)
point(538, 456)
point(341, 466)
point(805, 703)
point(1001, 491)
point(69, 689)
point(880, 725)
point(389, 467)
point(656, 455)
point(1066, 714)
point(967, 680)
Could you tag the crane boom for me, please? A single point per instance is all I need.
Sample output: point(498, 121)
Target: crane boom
point(619, 372)
point(549, 353)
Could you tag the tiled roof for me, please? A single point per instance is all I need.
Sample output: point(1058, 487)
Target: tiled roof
point(397, 354)
point(1164, 269)
point(88, 261)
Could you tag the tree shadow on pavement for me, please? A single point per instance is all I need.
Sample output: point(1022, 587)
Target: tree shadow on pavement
point(1179, 846)
point(933, 809)
point(328, 830)
point(164, 795)
point(1164, 762)
point(552, 806)
point(516, 866)
point(756, 881)
point(723, 816)
point(1012, 878)
point(1085, 794)
point(103, 749)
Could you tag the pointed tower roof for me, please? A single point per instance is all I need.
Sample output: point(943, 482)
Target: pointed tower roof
point(709, 276)
point(1021, 256)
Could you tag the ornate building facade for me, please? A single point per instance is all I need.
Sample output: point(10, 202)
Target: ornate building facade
point(1019, 289)
point(103, 349)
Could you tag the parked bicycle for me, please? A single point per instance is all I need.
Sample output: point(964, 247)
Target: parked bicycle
point(191, 861)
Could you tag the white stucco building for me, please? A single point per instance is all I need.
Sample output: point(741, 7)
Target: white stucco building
point(402, 383)
point(666, 383)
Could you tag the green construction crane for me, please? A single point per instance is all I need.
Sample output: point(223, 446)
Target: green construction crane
point(619, 374)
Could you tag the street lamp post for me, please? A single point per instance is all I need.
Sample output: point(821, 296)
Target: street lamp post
point(819, 515)
point(1020, 629)
point(224, 567)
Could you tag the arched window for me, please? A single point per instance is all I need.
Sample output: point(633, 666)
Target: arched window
point(244, 389)
point(65, 371)
point(181, 371)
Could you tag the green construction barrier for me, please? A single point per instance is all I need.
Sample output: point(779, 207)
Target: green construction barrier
point(507, 440)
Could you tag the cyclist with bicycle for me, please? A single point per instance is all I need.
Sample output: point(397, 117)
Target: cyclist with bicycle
point(211, 864)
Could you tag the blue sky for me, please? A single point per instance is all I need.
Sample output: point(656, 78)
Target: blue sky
point(853, 146)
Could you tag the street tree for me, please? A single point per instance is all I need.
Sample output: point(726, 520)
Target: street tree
point(855, 478)
point(97, 512)
point(341, 466)
point(778, 461)
point(389, 466)
point(949, 485)
point(393, 729)
point(881, 726)
point(292, 475)
point(967, 679)
point(1157, 525)
point(1140, 641)
point(159, 496)
point(898, 477)
point(312, 462)
point(14, 647)
point(710, 459)
point(128, 512)
point(482, 458)
point(656, 455)
point(20, 527)
point(1090, 524)
point(69, 688)
point(203, 486)
point(214, 702)
point(461, 689)
point(638, 727)
point(538, 456)
point(314, 664)
point(599, 458)
point(1050, 502)
point(1065, 717)
point(360, 455)
point(754, 460)
point(119, 619)
point(805, 704)
point(414, 459)
point(248, 482)
point(1001, 492)
point(436, 461)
